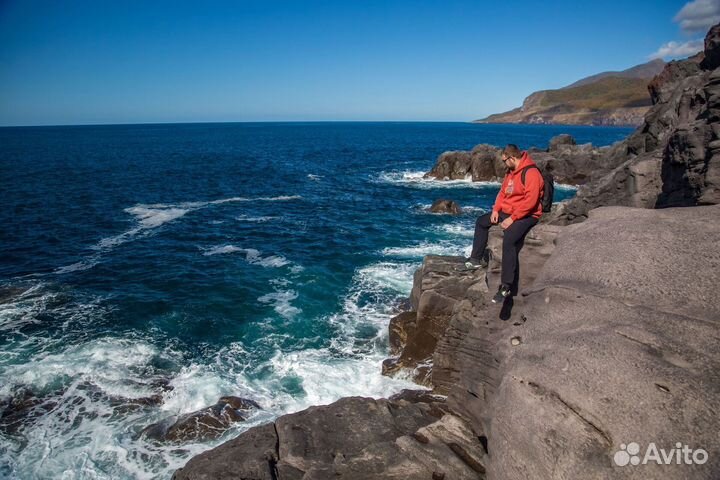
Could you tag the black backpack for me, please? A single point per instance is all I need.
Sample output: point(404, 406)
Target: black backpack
point(548, 190)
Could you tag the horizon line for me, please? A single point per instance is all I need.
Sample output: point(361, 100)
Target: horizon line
point(211, 122)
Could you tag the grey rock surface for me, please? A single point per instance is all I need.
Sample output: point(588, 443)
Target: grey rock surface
point(438, 286)
point(617, 342)
point(408, 437)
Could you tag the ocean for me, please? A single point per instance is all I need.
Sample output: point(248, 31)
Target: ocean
point(193, 261)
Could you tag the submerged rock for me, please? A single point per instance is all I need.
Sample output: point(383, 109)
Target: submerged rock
point(445, 206)
point(206, 424)
point(22, 409)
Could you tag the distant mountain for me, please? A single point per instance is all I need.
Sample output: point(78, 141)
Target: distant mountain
point(607, 98)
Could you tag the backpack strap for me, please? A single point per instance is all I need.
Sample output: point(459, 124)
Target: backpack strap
point(524, 171)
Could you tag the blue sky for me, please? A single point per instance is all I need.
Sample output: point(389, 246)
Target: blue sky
point(80, 62)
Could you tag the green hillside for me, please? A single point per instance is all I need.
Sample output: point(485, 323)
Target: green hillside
point(606, 93)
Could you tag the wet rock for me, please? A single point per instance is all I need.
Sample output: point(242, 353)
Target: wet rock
point(569, 163)
point(206, 424)
point(22, 409)
point(445, 206)
point(401, 326)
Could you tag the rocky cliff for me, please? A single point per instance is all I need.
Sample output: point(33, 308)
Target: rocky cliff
point(608, 98)
point(611, 343)
point(673, 159)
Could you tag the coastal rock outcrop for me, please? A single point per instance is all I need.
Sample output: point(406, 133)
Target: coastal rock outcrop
point(206, 424)
point(437, 288)
point(614, 342)
point(568, 162)
point(409, 436)
point(482, 163)
point(445, 206)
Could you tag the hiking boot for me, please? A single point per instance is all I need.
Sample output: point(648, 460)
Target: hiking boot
point(502, 293)
point(475, 263)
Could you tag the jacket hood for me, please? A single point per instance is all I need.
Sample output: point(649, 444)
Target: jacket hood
point(525, 161)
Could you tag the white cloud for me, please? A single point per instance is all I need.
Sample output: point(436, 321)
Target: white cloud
point(698, 16)
point(676, 50)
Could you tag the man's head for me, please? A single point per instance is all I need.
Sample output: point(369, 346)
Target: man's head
point(511, 156)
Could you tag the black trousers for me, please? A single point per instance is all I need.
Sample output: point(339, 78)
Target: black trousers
point(513, 241)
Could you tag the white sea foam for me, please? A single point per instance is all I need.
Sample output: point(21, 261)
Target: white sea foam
point(222, 249)
point(107, 363)
point(150, 217)
point(281, 300)
point(154, 217)
point(416, 179)
point(397, 277)
point(420, 250)
point(84, 436)
point(251, 256)
point(24, 308)
point(566, 187)
point(273, 261)
point(262, 219)
point(459, 230)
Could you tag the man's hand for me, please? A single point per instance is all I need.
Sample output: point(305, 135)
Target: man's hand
point(494, 217)
point(506, 223)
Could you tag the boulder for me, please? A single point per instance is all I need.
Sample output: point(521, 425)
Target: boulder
point(445, 206)
point(206, 424)
point(483, 163)
point(559, 141)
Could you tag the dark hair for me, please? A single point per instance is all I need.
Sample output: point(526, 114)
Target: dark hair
point(512, 150)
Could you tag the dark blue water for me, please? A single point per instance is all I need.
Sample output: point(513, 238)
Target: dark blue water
point(260, 260)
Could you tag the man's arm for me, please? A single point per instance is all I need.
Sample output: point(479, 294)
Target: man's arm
point(500, 196)
point(531, 197)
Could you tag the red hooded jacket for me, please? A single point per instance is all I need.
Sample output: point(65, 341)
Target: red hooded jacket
point(516, 199)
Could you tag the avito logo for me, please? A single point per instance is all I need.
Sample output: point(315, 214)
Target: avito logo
point(682, 454)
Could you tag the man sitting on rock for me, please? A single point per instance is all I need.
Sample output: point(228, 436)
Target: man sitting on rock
point(517, 208)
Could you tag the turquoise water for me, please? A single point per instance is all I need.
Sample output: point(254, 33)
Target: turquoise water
point(258, 260)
